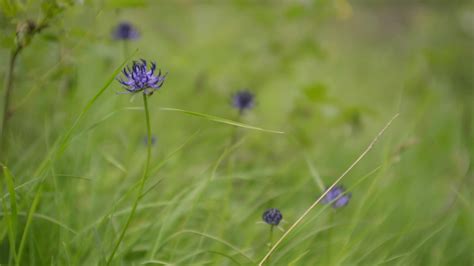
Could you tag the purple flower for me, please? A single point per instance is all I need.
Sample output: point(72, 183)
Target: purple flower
point(272, 216)
point(337, 197)
point(153, 140)
point(125, 31)
point(140, 78)
point(243, 100)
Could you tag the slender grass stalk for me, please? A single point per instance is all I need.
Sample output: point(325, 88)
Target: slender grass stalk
point(6, 101)
point(308, 210)
point(142, 183)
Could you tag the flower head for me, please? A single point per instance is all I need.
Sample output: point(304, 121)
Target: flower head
point(243, 100)
point(337, 197)
point(272, 216)
point(125, 31)
point(140, 78)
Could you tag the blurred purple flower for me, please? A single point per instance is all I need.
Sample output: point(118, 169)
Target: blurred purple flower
point(125, 31)
point(140, 78)
point(337, 197)
point(243, 100)
point(272, 216)
point(153, 140)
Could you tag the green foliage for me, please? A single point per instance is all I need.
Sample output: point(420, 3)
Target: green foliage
point(10, 8)
point(51, 8)
point(316, 92)
point(326, 74)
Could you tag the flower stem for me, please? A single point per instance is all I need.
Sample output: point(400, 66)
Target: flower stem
point(329, 238)
point(142, 183)
point(125, 49)
point(270, 237)
point(6, 105)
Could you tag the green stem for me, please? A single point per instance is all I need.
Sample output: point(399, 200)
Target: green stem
point(230, 169)
point(125, 48)
point(329, 238)
point(142, 183)
point(270, 237)
point(6, 105)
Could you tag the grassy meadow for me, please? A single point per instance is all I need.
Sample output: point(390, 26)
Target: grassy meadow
point(84, 181)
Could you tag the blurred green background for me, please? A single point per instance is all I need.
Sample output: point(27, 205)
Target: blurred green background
point(329, 74)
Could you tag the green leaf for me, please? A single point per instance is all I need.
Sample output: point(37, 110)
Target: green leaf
point(221, 120)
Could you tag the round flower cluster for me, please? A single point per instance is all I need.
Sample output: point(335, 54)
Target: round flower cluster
point(272, 216)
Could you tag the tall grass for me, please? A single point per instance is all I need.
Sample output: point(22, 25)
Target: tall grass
point(75, 190)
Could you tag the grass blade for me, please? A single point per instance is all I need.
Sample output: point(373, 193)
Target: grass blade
point(8, 229)
point(45, 218)
point(221, 120)
point(29, 219)
point(217, 239)
point(12, 216)
point(11, 191)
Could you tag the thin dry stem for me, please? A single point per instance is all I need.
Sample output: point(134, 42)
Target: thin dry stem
point(298, 221)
